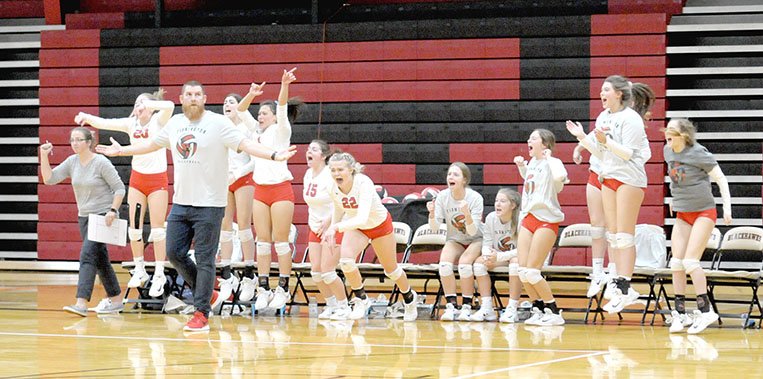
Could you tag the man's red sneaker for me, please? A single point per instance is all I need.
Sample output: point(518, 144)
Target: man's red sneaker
point(197, 323)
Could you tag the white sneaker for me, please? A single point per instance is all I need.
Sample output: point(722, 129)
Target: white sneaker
point(465, 313)
point(107, 307)
point(679, 322)
point(280, 298)
point(341, 313)
point(609, 292)
point(327, 311)
point(101, 305)
point(227, 286)
point(450, 313)
point(484, 314)
point(139, 278)
point(157, 285)
point(173, 304)
point(411, 309)
point(535, 316)
point(702, 320)
point(360, 308)
point(263, 298)
point(620, 301)
point(597, 282)
point(509, 316)
point(551, 319)
point(247, 289)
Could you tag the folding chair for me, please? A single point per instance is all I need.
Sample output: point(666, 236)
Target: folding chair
point(425, 239)
point(738, 263)
point(665, 275)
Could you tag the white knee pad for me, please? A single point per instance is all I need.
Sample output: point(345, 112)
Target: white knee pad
point(135, 234)
point(395, 274)
point(691, 265)
point(347, 265)
point(513, 269)
point(522, 274)
point(263, 248)
point(611, 241)
point(245, 235)
point(676, 264)
point(157, 234)
point(282, 248)
point(624, 240)
point(225, 235)
point(330, 277)
point(534, 276)
point(465, 270)
point(446, 269)
point(317, 276)
point(479, 269)
point(598, 232)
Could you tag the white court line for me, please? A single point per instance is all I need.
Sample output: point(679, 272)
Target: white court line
point(512, 368)
point(167, 339)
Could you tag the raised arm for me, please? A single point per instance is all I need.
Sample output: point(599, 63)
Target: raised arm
point(115, 124)
point(164, 108)
point(254, 91)
point(46, 172)
point(259, 150)
point(116, 150)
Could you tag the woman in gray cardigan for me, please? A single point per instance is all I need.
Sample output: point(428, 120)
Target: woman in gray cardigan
point(98, 190)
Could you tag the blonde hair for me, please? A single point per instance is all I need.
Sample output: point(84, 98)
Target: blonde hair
point(516, 199)
point(683, 128)
point(349, 159)
point(547, 138)
point(156, 95)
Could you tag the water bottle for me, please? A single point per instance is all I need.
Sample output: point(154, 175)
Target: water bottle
point(312, 307)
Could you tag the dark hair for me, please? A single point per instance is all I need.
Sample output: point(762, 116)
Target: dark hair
point(233, 95)
point(192, 83)
point(547, 138)
point(293, 107)
point(325, 149)
point(87, 133)
point(620, 83)
point(643, 99)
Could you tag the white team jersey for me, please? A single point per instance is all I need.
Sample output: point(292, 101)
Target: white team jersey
point(626, 128)
point(448, 210)
point(200, 157)
point(362, 206)
point(539, 193)
point(316, 192)
point(277, 137)
point(151, 163)
point(497, 235)
point(241, 163)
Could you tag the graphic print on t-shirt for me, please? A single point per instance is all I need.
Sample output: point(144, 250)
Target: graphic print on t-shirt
point(677, 172)
point(506, 243)
point(529, 184)
point(186, 146)
point(459, 222)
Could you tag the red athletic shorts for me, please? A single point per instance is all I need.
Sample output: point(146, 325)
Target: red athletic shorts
point(533, 224)
point(380, 231)
point(593, 179)
point(312, 237)
point(612, 184)
point(243, 181)
point(148, 183)
point(270, 194)
point(691, 217)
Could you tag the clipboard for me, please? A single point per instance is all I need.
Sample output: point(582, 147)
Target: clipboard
point(97, 231)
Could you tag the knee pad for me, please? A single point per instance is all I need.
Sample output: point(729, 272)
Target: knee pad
point(395, 274)
point(225, 235)
point(157, 234)
point(479, 269)
point(676, 264)
point(465, 270)
point(330, 277)
point(347, 265)
point(691, 265)
point(317, 276)
point(513, 269)
point(611, 240)
point(624, 240)
point(534, 276)
point(522, 273)
point(245, 235)
point(263, 248)
point(282, 248)
point(598, 232)
point(135, 234)
point(446, 269)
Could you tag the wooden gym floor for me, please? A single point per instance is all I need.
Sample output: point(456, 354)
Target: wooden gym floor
point(41, 341)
